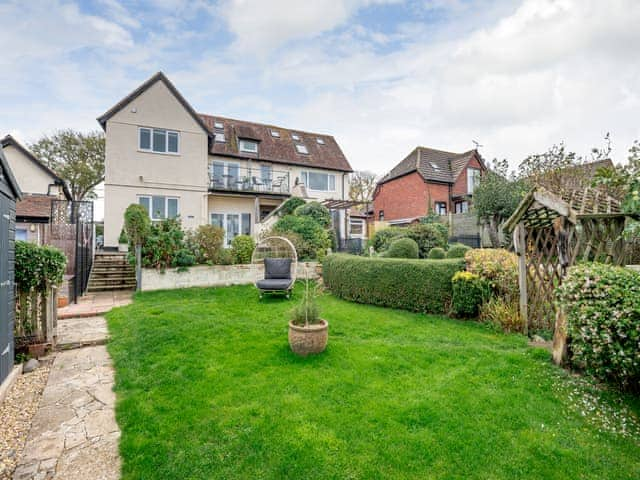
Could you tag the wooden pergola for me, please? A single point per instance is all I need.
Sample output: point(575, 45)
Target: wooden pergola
point(553, 231)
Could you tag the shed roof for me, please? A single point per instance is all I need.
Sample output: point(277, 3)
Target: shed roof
point(7, 175)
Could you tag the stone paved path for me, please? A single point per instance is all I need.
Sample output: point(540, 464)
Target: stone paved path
point(94, 304)
point(77, 332)
point(74, 435)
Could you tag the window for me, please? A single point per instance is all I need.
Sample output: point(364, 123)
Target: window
point(473, 179)
point(462, 207)
point(21, 234)
point(266, 176)
point(320, 141)
point(295, 137)
point(158, 140)
point(302, 148)
point(159, 206)
point(250, 146)
point(219, 137)
point(381, 215)
point(356, 226)
point(224, 175)
point(441, 208)
point(218, 125)
point(322, 182)
point(233, 224)
point(275, 133)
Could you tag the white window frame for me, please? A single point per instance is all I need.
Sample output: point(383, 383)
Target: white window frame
point(166, 140)
point(362, 224)
point(166, 206)
point(464, 207)
point(302, 149)
point(242, 142)
point(275, 133)
point(225, 216)
point(295, 137)
point(473, 179)
point(304, 175)
point(437, 206)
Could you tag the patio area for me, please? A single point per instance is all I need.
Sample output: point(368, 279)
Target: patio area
point(95, 304)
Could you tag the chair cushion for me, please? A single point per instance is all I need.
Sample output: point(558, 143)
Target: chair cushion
point(277, 268)
point(274, 284)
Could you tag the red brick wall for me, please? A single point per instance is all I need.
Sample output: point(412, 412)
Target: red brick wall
point(439, 193)
point(460, 186)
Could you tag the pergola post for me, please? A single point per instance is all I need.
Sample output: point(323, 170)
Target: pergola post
point(519, 239)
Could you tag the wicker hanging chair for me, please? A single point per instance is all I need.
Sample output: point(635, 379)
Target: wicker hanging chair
point(275, 263)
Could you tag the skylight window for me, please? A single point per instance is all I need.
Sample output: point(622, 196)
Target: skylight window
point(218, 124)
point(275, 133)
point(302, 148)
point(295, 137)
point(320, 141)
point(220, 137)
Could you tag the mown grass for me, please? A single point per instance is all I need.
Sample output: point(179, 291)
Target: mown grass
point(207, 388)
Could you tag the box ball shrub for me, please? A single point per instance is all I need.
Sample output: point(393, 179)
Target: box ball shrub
point(428, 236)
point(602, 305)
point(469, 292)
point(402, 248)
point(242, 247)
point(436, 253)
point(415, 285)
point(457, 250)
point(382, 238)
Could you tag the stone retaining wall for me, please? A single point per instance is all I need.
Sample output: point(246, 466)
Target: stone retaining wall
point(215, 276)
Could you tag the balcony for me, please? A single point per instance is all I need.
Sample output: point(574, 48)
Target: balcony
point(233, 178)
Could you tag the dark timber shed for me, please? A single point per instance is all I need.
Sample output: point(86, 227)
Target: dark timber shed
point(9, 194)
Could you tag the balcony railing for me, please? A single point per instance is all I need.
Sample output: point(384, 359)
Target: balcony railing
point(248, 179)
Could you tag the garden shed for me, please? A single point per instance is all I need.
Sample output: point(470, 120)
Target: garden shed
point(552, 232)
point(9, 193)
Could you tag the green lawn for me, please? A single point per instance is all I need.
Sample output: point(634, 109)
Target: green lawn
point(207, 388)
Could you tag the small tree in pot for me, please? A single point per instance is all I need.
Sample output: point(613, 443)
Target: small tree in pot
point(308, 333)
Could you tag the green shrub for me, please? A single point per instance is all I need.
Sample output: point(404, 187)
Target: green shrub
point(402, 248)
point(383, 237)
point(205, 243)
point(123, 238)
point(289, 206)
point(315, 210)
point(38, 267)
point(416, 285)
point(469, 292)
point(502, 313)
point(602, 304)
point(498, 266)
point(164, 241)
point(225, 257)
point(137, 224)
point(183, 258)
point(457, 250)
point(436, 253)
point(313, 237)
point(428, 236)
point(242, 247)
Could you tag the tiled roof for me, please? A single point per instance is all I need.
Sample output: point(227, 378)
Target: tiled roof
point(432, 164)
point(34, 206)
point(324, 151)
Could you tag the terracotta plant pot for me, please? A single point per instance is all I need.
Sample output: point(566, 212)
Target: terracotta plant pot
point(308, 340)
point(62, 302)
point(37, 350)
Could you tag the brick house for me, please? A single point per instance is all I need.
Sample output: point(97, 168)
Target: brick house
point(427, 180)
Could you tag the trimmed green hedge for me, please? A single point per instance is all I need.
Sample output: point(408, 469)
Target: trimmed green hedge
point(415, 285)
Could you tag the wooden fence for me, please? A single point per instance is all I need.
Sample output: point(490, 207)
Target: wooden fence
point(36, 319)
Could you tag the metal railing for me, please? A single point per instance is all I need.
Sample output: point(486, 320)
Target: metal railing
point(248, 179)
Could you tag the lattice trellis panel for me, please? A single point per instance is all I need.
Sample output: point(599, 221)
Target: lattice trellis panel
point(601, 240)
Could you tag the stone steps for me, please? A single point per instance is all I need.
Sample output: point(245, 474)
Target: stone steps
point(111, 271)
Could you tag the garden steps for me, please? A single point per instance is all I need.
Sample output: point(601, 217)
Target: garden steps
point(111, 271)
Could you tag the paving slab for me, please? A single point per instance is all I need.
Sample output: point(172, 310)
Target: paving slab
point(83, 331)
point(74, 434)
point(95, 304)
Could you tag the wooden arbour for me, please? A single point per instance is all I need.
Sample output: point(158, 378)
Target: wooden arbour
point(553, 231)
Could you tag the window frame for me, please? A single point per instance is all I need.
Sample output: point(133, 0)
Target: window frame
point(304, 175)
point(152, 131)
point(166, 206)
point(464, 207)
point(302, 146)
point(242, 216)
point(438, 210)
point(470, 187)
point(242, 141)
point(362, 224)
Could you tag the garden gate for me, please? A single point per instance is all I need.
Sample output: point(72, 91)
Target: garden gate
point(9, 193)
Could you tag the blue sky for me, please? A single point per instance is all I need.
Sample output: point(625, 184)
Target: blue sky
point(382, 76)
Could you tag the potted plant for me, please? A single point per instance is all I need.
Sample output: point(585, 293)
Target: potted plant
point(123, 241)
point(308, 333)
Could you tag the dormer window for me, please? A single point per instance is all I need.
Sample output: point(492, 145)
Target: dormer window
point(249, 146)
point(220, 138)
point(295, 137)
point(158, 140)
point(275, 133)
point(302, 149)
point(219, 125)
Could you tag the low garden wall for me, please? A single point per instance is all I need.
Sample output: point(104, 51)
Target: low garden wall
point(215, 276)
point(416, 285)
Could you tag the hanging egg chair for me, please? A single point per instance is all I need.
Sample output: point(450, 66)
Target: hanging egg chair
point(275, 263)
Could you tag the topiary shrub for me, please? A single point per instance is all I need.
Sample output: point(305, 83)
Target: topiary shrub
point(457, 250)
point(242, 247)
point(315, 210)
point(383, 237)
point(602, 305)
point(402, 248)
point(313, 237)
point(137, 224)
point(289, 206)
point(469, 292)
point(415, 285)
point(428, 236)
point(498, 266)
point(436, 253)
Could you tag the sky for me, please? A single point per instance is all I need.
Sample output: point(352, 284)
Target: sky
point(382, 76)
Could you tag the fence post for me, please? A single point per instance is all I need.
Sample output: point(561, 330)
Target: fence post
point(52, 315)
point(519, 240)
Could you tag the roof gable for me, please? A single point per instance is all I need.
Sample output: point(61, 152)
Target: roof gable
point(158, 77)
point(5, 172)
point(10, 141)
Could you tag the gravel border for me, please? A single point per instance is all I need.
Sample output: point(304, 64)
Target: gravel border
point(16, 412)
